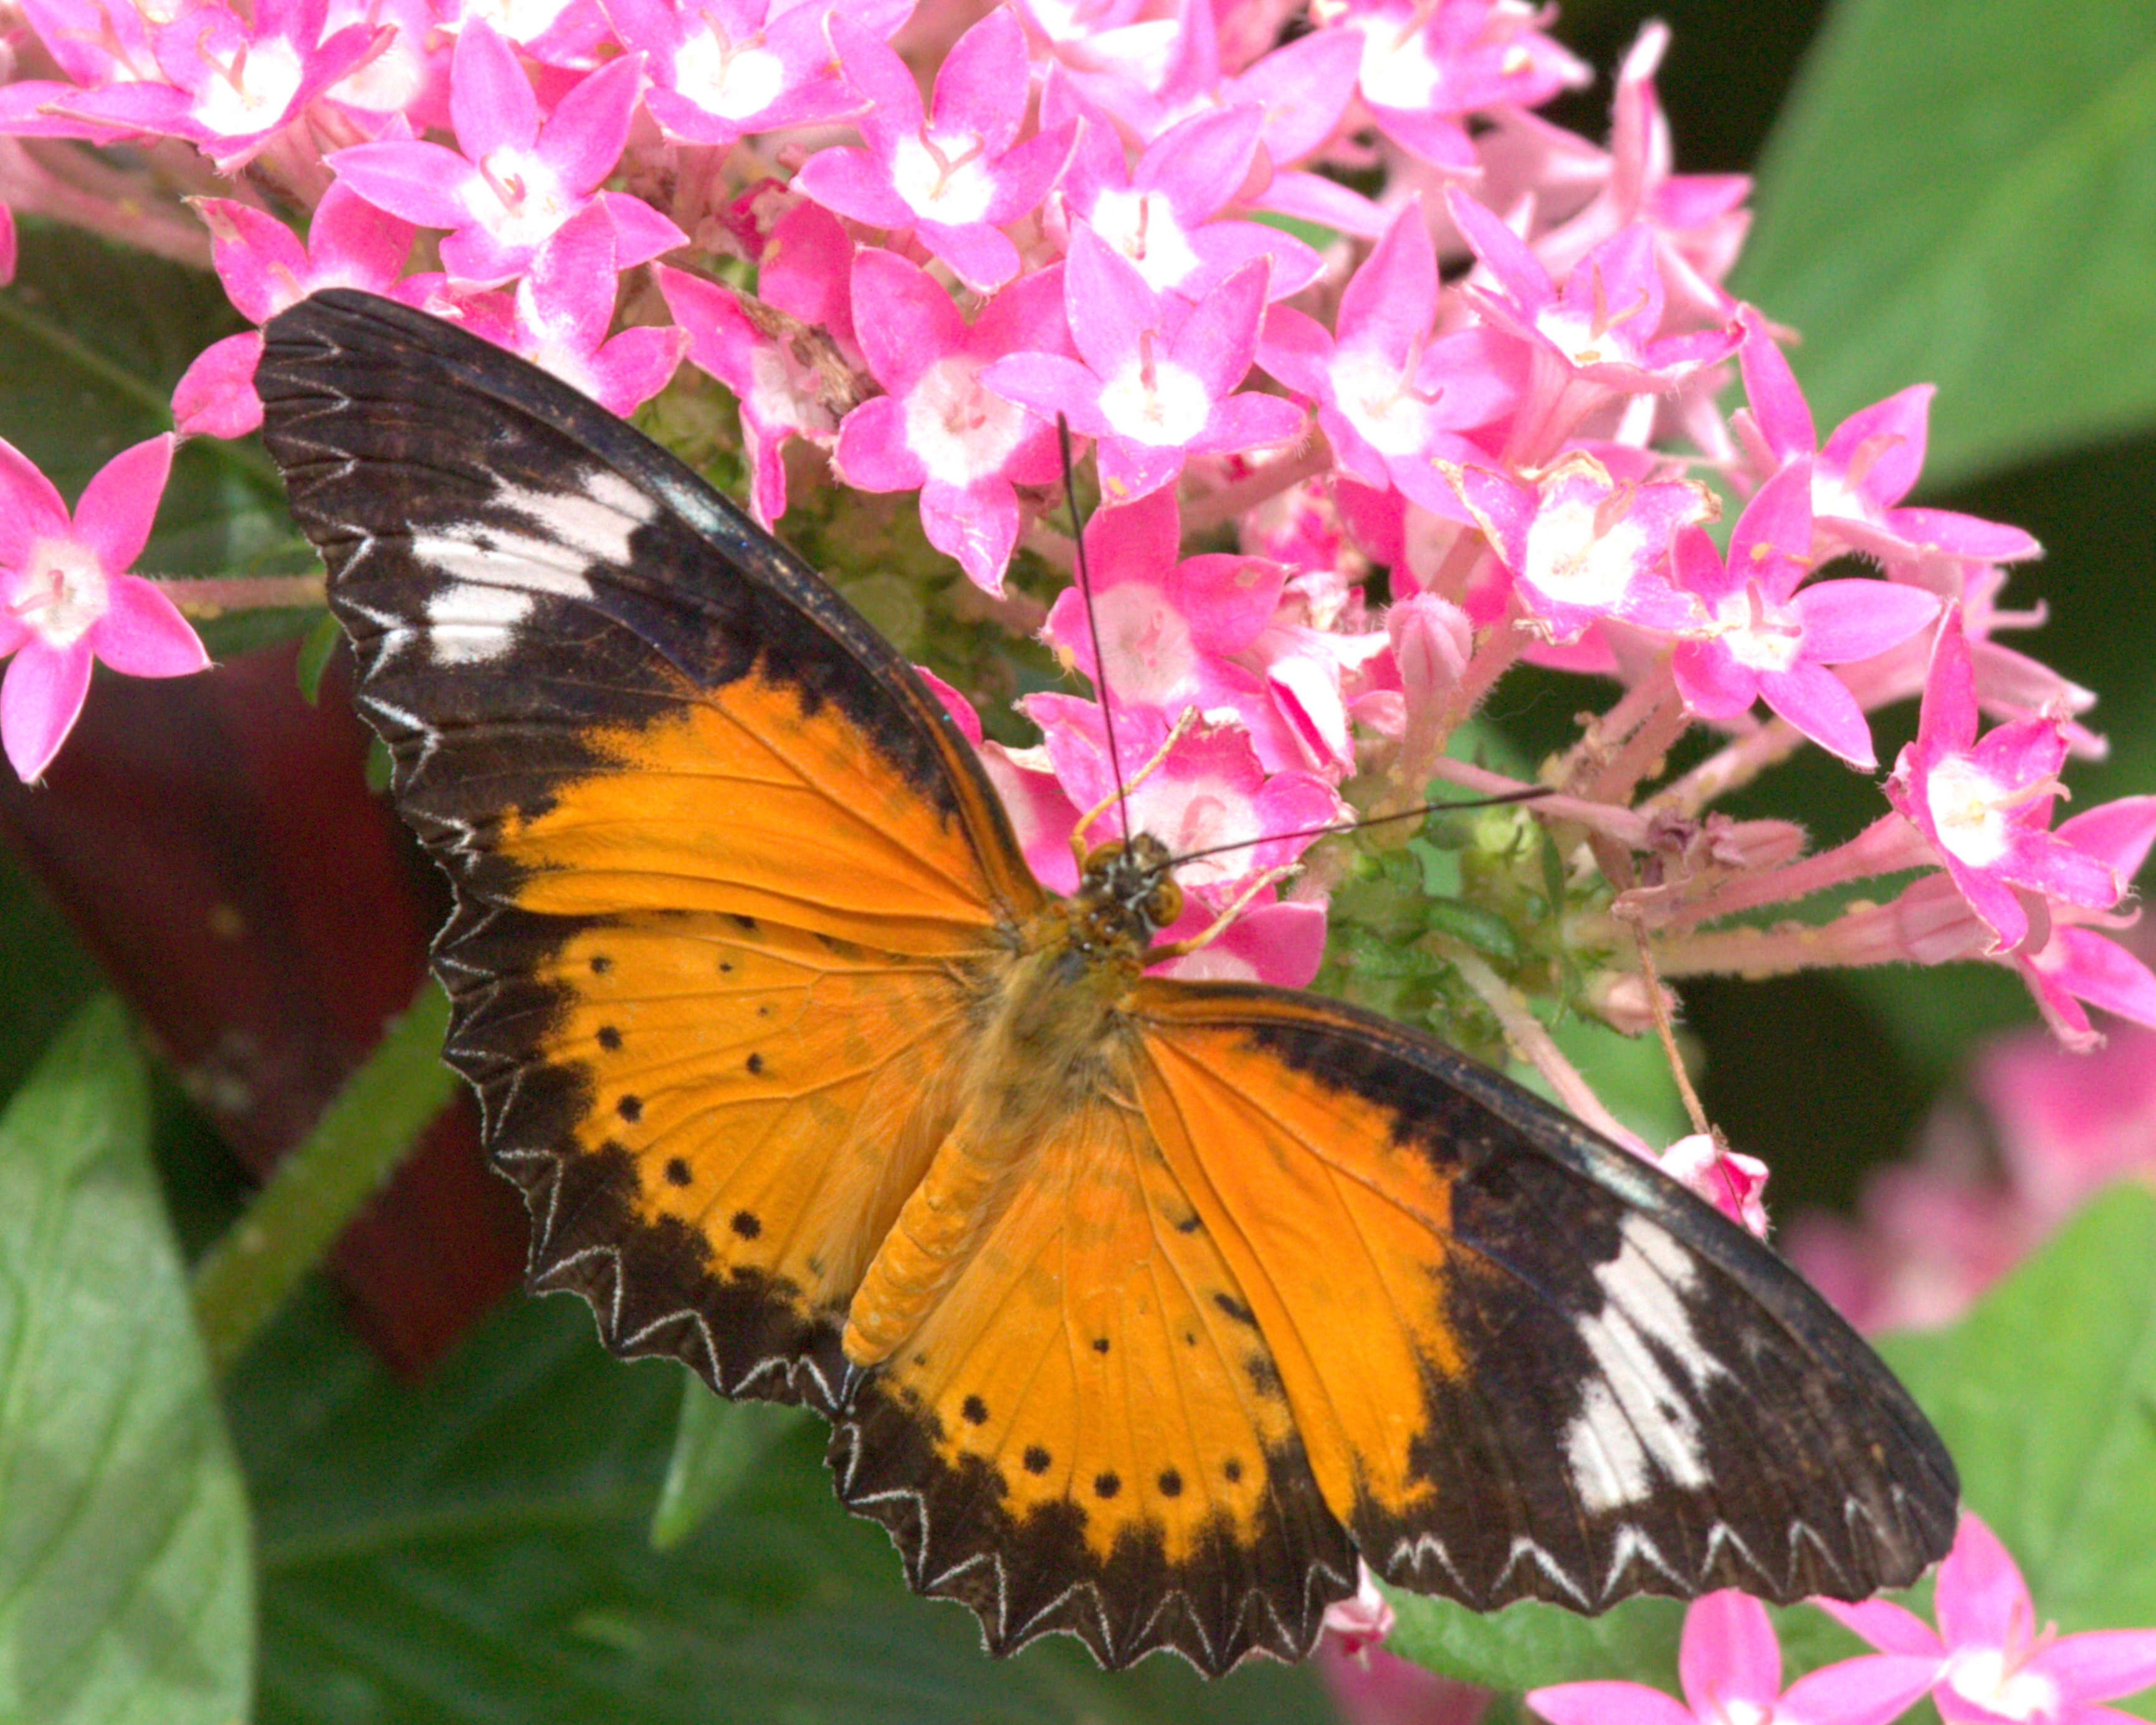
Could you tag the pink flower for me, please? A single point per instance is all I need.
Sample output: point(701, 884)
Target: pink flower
point(937, 427)
point(1995, 1665)
point(2068, 1123)
point(1985, 807)
point(1867, 467)
point(785, 387)
point(1730, 1667)
point(265, 270)
point(1763, 637)
point(232, 83)
point(1158, 214)
point(1734, 1185)
point(69, 599)
point(1425, 68)
point(1584, 546)
point(727, 67)
point(517, 180)
point(954, 175)
point(564, 307)
point(1159, 375)
point(1391, 399)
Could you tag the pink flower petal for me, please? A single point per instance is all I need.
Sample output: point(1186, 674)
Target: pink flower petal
point(1878, 451)
point(1389, 306)
point(980, 256)
point(1728, 1652)
point(142, 633)
point(1983, 1601)
point(1219, 339)
point(30, 509)
point(39, 703)
point(873, 455)
point(1608, 1704)
point(1777, 404)
point(2101, 1665)
point(1819, 704)
point(422, 182)
point(1846, 620)
point(1050, 384)
point(640, 233)
point(2084, 963)
point(490, 99)
point(1868, 1691)
point(852, 183)
point(908, 320)
point(118, 508)
point(983, 83)
point(215, 396)
point(1713, 685)
point(976, 524)
point(584, 135)
point(1107, 301)
point(1888, 1626)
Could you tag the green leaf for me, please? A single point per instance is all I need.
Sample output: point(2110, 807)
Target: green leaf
point(2046, 1395)
point(476, 1548)
point(1528, 1645)
point(717, 1444)
point(315, 654)
point(126, 1586)
point(1958, 193)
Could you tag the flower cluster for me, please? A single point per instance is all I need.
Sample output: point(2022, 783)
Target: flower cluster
point(912, 238)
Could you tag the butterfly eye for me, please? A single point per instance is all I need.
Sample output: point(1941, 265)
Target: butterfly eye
point(1163, 904)
point(1100, 856)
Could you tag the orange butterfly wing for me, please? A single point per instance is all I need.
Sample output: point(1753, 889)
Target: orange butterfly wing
point(1525, 1364)
point(728, 879)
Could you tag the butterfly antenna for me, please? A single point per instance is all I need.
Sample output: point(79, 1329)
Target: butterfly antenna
point(1529, 793)
point(1100, 661)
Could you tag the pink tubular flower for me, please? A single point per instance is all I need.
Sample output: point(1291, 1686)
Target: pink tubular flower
point(1159, 375)
point(1763, 637)
point(1994, 1666)
point(1734, 1185)
point(517, 180)
point(1391, 400)
point(232, 82)
point(266, 269)
point(1730, 1668)
point(1986, 806)
point(727, 68)
point(954, 175)
point(1867, 468)
point(69, 599)
point(1158, 213)
point(1584, 546)
point(937, 428)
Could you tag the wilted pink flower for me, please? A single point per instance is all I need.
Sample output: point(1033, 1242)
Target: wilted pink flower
point(69, 598)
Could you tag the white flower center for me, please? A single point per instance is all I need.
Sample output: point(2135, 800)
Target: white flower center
point(733, 83)
point(1141, 225)
point(1742, 1713)
point(389, 83)
point(529, 202)
point(60, 591)
point(1162, 404)
point(1759, 636)
point(1982, 1675)
point(944, 179)
point(1970, 809)
point(1374, 395)
point(253, 91)
point(961, 431)
point(1147, 642)
point(1398, 69)
point(1576, 558)
point(780, 393)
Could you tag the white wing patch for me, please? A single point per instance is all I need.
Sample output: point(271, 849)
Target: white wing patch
point(497, 570)
point(1636, 1424)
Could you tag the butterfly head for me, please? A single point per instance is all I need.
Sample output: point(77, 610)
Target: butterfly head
point(1126, 894)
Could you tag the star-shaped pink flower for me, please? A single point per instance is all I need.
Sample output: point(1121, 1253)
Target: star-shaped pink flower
point(516, 180)
point(937, 427)
point(1867, 468)
point(1583, 546)
point(69, 599)
point(1995, 1667)
point(1985, 804)
point(954, 175)
point(1730, 1667)
point(1762, 637)
point(1392, 400)
point(1159, 378)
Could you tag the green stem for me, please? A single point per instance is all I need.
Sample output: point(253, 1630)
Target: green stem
point(355, 1146)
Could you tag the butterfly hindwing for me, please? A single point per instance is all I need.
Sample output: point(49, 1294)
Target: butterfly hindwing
point(617, 712)
point(1089, 1434)
point(1525, 1364)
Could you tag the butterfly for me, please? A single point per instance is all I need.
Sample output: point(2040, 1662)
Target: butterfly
point(1141, 1308)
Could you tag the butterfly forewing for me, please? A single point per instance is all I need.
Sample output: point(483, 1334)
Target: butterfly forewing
point(709, 1051)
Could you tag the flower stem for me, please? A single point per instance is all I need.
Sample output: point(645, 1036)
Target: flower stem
point(1247, 492)
point(214, 596)
point(1533, 1043)
point(361, 1136)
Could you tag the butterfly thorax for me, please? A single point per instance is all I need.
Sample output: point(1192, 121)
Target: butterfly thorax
point(1053, 1039)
